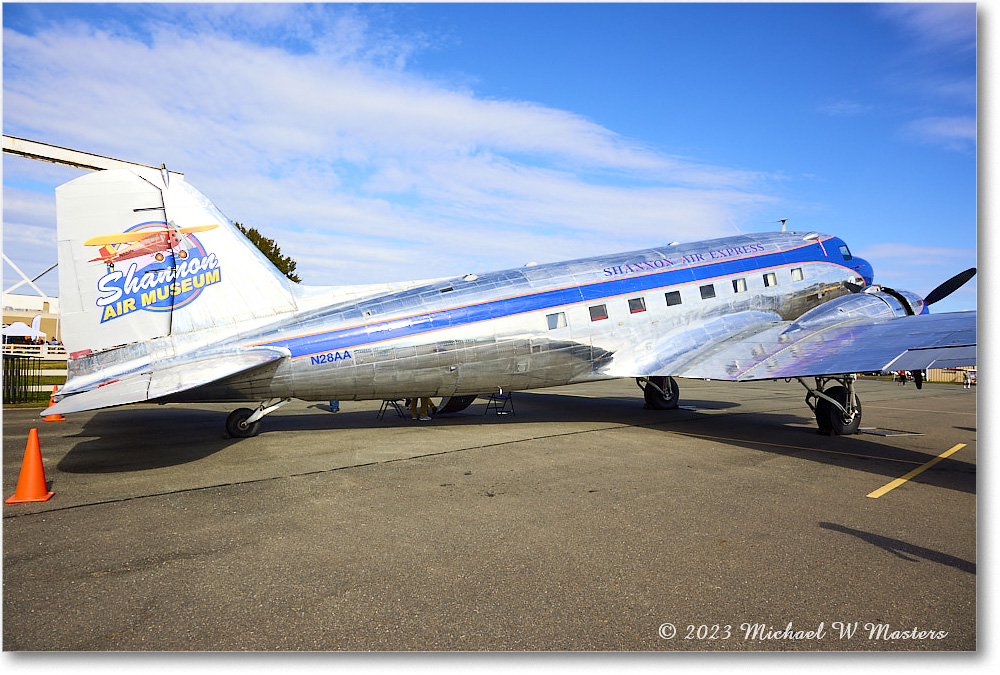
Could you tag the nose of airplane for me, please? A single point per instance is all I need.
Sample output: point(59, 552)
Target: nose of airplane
point(864, 270)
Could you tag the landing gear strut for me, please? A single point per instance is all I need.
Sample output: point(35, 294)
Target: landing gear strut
point(661, 393)
point(837, 407)
point(245, 423)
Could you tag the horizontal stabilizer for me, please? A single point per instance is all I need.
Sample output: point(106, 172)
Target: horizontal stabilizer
point(168, 377)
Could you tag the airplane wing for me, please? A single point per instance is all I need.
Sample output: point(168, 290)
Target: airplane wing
point(166, 377)
point(771, 349)
point(124, 238)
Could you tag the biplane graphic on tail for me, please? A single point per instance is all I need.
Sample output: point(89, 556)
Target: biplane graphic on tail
point(157, 239)
point(222, 324)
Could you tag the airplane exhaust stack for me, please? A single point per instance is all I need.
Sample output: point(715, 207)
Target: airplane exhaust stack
point(52, 401)
point(31, 483)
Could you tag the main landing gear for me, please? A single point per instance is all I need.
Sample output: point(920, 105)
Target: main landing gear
point(837, 407)
point(661, 393)
point(244, 422)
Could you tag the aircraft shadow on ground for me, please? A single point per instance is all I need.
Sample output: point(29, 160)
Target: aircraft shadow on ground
point(774, 433)
point(142, 438)
point(904, 550)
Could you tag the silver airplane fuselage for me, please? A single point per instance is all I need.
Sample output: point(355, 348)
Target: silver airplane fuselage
point(542, 326)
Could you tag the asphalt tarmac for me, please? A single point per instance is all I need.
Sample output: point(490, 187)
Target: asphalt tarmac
point(581, 522)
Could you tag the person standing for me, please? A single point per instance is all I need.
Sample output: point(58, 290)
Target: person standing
point(424, 403)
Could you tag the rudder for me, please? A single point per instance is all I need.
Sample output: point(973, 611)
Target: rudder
point(140, 260)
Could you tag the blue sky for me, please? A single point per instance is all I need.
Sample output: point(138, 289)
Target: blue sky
point(392, 142)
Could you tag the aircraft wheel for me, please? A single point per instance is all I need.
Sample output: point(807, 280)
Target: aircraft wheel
point(454, 404)
point(183, 254)
point(237, 426)
point(159, 257)
point(657, 401)
point(833, 421)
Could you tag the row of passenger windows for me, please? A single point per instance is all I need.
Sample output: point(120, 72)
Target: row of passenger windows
point(637, 305)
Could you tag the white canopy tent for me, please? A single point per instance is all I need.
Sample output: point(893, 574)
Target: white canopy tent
point(21, 329)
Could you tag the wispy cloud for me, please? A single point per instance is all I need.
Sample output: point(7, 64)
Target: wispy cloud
point(935, 26)
point(936, 69)
point(951, 133)
point(845, 108)
point(315, 131)
point(921, 268)
point(920, 255)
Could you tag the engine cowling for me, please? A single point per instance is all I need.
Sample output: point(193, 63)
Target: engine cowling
point(870, 304)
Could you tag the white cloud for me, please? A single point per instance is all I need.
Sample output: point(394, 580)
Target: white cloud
point(936, 26)
point(845, 108)
point(921, 255)
point(922, 268)
point(336, 142)
point(951, 133)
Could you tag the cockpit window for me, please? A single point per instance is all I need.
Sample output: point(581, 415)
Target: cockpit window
point(846, 252)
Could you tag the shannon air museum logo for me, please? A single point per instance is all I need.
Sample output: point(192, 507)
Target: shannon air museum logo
point(167, 268)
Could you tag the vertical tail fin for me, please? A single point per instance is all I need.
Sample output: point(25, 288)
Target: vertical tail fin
point(141, 259)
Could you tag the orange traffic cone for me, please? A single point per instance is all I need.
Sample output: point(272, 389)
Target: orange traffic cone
point(31, 483)
point(52, 402)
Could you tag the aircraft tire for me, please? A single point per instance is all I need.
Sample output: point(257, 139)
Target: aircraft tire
point(454, 404)
point(830, 420)
point(657, 401)
point(235, 424)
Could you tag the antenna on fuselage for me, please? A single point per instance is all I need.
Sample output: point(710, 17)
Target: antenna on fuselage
point(782, 221)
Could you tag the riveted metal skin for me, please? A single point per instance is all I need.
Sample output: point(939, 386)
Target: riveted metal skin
point(461, 337)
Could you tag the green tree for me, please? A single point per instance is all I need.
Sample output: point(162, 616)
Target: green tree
point(270, 248)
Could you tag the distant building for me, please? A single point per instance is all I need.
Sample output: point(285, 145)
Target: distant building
point(26, 307)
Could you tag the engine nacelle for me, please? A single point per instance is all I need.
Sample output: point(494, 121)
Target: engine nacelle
point(870, 304)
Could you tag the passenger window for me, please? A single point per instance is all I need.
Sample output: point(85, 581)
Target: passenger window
point(598, 312)
point(797, 274)
point(770, 279)
point(673, 298)
point(708, 292)
point(636, 305)
point(557, 320)
point(739, 285)
point(846, 252)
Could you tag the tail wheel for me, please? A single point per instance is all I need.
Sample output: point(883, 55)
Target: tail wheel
point(667, 400)
point(236, 424)
point(832, 420)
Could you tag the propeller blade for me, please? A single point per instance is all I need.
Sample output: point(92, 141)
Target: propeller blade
point(950, 286)
point(853, 288)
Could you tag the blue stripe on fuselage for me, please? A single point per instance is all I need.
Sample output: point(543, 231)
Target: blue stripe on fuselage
point(356, 336)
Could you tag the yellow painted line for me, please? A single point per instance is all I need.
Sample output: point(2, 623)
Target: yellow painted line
point(794, 447)
point(923, 467)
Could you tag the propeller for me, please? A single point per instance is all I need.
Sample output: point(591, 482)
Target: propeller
point(950, 286)
point(939, 293)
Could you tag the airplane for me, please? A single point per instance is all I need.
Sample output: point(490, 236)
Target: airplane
point(225, 325)
point(143, 241)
